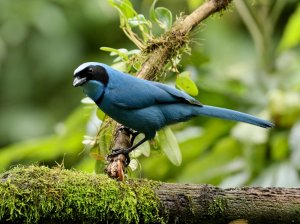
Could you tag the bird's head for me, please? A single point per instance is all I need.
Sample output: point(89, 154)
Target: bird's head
point(92, 77)
point(90, 71)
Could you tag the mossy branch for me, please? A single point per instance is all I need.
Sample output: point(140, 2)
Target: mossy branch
point(176, 37)
point(41, 195)
point(159, 52)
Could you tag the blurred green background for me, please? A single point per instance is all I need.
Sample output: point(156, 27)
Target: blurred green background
point(246, 58)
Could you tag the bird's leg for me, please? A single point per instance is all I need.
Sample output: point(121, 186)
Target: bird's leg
point(132, 132)
point(126, 152)
point(133, 136)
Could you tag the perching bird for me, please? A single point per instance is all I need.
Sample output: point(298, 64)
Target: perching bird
point(145, 106)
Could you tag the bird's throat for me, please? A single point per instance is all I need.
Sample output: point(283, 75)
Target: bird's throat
point(94, 90)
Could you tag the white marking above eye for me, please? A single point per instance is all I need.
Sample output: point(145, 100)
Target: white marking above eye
point(84, 65)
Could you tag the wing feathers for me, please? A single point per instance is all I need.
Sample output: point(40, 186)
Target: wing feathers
point(144, 94)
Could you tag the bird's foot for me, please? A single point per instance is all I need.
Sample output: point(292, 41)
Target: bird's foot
point(125, 152)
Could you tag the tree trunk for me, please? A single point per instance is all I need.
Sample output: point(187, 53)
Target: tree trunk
point(39, 194)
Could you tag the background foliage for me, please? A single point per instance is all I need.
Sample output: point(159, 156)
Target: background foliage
point(246, 58)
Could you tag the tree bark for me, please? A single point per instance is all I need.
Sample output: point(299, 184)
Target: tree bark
point(41, 195)
point(186, 203)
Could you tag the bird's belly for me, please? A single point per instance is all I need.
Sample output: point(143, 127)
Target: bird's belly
point(146, 120)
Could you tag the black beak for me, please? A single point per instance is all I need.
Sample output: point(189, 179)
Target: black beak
point(78, 81)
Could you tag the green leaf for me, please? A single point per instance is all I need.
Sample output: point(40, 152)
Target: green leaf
point(137, 20)
point(161, 15)
point(133, 164)
point(142, 149)
point(100, 114)
point(164, 17)
point(169, 145)
point(124, 7)
point(129, 18)
point(185, 83)
point(143, 24)
point(122, 52)
point(120, 66)
point(291, 35)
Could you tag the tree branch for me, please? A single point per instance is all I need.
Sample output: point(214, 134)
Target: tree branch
point(158, 57)
point(209, 204)
point(42, 195)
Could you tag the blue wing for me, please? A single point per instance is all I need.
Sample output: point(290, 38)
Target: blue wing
point(129, 92)
point(181, 96)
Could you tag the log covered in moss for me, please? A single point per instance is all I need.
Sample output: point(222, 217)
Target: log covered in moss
point(42, 195)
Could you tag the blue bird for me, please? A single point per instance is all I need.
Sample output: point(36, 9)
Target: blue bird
point(145, 106)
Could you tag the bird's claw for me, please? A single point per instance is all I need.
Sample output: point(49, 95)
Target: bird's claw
point(117, 152)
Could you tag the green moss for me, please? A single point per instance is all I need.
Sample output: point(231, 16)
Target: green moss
point(217, 206)
point(39, 194)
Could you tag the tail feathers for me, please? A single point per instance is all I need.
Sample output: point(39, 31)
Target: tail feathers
point(232, 115)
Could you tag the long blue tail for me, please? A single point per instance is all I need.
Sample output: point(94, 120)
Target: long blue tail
point(232, 115)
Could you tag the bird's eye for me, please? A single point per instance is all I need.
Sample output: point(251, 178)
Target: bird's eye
point(90, 70)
